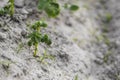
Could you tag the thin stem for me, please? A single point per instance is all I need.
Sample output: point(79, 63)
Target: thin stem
point(11, 7)
point(36, 50)
point(38, 29)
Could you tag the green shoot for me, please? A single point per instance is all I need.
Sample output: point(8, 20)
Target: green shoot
point(71, 7)
point(74, 7)
point(34, 40)
point(11, 9)
point(36, 37)
point(8, 9)
point(51, 7)
point(2, 12)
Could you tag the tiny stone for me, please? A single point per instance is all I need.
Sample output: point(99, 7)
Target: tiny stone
point(24, 11)
point(68, 23)
point(24, 33)
point(2, 36)
point(19, 3)
point(4, 29)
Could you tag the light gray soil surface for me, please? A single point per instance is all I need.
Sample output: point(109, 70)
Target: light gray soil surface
point(84, 43)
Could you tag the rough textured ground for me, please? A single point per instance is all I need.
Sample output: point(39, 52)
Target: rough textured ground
point(85, 43)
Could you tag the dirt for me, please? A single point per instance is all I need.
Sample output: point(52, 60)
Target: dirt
point(84, 43)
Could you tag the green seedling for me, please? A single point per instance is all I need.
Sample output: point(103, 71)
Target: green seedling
point(74, 7)
point(51, 7)
point(71, 7)
point(2, 11)
point(8, 9)
point(36, 36)
point(11, 9)
point(34, 40)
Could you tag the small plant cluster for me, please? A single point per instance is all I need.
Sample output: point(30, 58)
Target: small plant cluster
point(51, 7)
point(36, 37)
point(8, 9)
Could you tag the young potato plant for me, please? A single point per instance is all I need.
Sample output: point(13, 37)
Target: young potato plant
point(36, 37)
point(51, 7)
point(8, 9)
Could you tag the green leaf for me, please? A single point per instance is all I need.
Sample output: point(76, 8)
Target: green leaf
point(43, 4)
point(74, 7)
point(2, 12)
point(49, 42)
point(30, 43)
point(50, 7)
point(35, 37)
point(38, 24)
point(43, 24)
point(53, 9)
point(44, 38)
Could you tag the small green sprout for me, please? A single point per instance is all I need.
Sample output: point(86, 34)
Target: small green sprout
point(51, 7)
point(11, 9)
point(74, 7)
point(71, 7)
point(36, 36)
point(2, 11)
point(8, 9)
